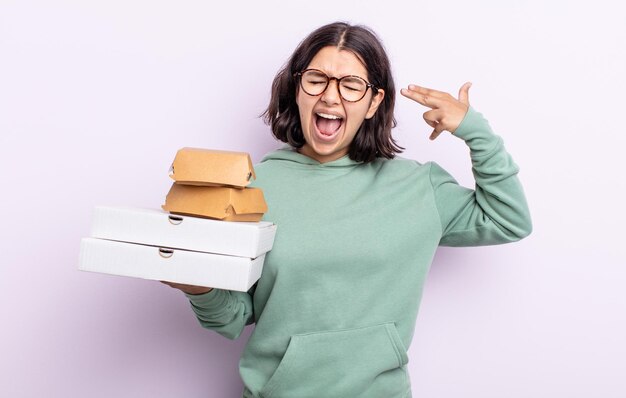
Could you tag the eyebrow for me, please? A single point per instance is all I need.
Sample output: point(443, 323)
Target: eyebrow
point(338, 77)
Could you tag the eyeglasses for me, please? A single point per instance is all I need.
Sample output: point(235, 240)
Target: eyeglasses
point(351, 88)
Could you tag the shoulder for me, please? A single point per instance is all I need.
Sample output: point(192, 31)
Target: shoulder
point(414, 170)
point(273, 158)
point(274, 166)
point(399, 169)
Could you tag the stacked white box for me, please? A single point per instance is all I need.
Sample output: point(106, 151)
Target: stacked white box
point(153, 244)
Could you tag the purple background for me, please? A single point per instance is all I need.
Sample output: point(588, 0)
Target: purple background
point(96, 97)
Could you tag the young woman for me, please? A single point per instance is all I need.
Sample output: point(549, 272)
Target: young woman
point(335, 308)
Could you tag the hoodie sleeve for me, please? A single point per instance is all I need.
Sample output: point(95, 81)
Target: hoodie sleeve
point(225, 311)
point(495, 211)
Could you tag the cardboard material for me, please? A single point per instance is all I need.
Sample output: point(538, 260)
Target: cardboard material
point(196, 166)
point(166, 264)
point(227, 204)
point(157, 227)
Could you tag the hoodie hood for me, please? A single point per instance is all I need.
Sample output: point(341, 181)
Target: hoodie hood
point(289, 154)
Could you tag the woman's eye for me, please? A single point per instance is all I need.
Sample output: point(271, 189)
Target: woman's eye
point(353, 85)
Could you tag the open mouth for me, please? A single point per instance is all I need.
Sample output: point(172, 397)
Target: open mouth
point(328, 125)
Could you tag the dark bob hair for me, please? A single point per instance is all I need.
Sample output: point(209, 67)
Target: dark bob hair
point(373, 140)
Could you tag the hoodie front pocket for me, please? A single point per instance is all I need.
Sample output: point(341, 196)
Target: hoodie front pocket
point(359, 362)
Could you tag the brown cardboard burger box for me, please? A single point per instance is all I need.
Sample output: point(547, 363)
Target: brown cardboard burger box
point(212, 183)
point(209, 167)
point(222, 203)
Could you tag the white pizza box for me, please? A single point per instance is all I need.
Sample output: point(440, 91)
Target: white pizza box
point(167, 264)
point(160, 228)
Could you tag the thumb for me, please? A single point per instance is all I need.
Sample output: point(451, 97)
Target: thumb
point(464, 93)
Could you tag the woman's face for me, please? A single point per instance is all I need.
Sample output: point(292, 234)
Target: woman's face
point(330, 123)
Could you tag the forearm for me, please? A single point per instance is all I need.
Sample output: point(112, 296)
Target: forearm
point(224, 311)
point(496, 211)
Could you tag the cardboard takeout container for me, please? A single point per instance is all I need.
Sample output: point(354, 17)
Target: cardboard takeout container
point(221, 203)
point(159, 228)
point(152, 244)
point(167, 264)
point(208, 167)
point(185, 247)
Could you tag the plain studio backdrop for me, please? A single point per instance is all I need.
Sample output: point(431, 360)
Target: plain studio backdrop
point(96, 97)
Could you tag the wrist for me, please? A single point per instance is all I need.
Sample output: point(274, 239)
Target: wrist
point(197, 290)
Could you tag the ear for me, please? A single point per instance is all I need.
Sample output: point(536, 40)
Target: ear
point(374, 103)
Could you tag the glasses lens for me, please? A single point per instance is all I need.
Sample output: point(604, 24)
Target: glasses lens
point(352, 88)
point(314, 82)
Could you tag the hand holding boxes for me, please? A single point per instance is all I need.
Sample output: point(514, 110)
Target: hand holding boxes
point(185, 247)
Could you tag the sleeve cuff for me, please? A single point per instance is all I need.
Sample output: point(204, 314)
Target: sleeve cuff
point(472, 121)
point(477, 134)
point(216, 298)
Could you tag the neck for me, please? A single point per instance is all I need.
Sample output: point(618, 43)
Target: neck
point(306, 150)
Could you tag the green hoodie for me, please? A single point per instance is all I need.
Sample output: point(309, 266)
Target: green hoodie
point(336, 305)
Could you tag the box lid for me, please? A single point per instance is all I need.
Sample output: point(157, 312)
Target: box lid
point(222, 203)
point(209, 167)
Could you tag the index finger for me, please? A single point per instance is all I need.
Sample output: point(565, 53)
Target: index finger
point(427, 91)
point(423, 97)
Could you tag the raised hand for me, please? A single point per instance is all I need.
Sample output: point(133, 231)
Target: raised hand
point(446, 111)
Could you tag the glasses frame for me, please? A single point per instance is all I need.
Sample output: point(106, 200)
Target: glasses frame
point(368, 85)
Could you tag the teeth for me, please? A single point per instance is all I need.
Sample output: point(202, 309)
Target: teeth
point(327, 116)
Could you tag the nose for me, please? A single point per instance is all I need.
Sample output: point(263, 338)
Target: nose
point(331, 95)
